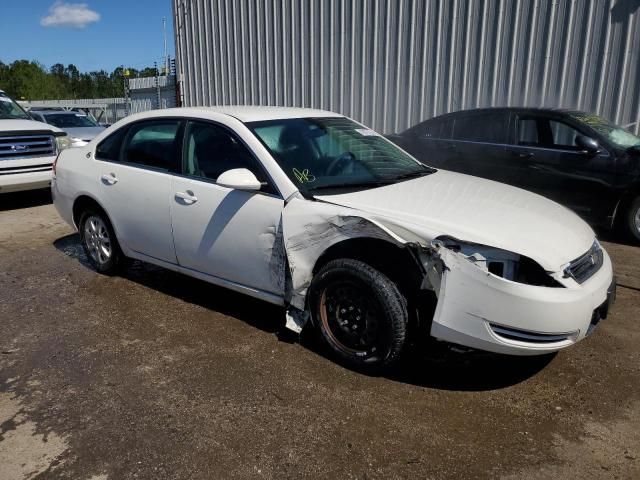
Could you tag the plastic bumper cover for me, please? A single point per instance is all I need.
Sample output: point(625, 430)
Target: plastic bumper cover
point(483, 311)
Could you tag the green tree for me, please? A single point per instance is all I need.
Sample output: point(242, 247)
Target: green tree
point(27, 80)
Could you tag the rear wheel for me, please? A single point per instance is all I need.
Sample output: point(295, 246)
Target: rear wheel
point(99, 242)
point(633, 219)
point(359, 313)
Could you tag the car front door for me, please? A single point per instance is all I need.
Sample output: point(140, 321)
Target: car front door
point(229, 234)
point(136, 166)
point(554, 166)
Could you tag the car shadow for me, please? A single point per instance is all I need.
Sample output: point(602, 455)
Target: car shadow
point(446, 367)
point(262, 315)
point(427, 363)
point(26, 199)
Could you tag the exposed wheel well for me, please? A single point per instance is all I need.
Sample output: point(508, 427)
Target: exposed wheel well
point(81, 204)
point(395, 262)
point(399, 264)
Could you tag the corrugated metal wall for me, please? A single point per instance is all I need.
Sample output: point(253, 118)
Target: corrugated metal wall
point(392, 63)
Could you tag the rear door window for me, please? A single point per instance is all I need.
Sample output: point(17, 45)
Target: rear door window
point(435, 129)
point(109, 148)
point(153, 144)
point(483, 127)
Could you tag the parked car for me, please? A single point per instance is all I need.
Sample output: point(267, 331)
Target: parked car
point(27, 148)
point(575, 158)
point(313, 211)
point(79, 126)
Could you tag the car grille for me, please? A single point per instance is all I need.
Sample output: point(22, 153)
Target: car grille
point(27, 169)
point(26, 146)
point(585, 266)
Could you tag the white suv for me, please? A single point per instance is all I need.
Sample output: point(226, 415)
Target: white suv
point(27, 148)
point(313, 211)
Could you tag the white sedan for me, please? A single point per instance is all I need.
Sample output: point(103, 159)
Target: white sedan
point(313, 211)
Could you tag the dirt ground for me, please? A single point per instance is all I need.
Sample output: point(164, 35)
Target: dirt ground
point(155, 375)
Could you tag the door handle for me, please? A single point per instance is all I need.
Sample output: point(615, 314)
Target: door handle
point(109, 178)
point(187, 197)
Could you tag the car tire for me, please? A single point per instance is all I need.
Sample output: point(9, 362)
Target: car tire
point(99, 242)
point(360, 315)
point(633, 219)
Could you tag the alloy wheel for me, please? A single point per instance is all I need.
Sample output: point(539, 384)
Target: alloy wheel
point(96, 239)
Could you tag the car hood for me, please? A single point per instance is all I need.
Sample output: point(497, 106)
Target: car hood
point(15, 125)
point(479, 211)
point(84, 133)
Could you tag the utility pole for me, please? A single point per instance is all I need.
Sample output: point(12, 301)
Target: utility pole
point(157, 85)
point(125, 89)
point(164, 34)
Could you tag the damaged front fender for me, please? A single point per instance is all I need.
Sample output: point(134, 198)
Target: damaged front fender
point(309, 229)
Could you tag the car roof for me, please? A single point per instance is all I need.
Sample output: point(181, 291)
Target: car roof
point(244, 113)
point(556, 111)
point(250, 113)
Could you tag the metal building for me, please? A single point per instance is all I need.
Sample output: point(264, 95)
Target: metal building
point(392, 63)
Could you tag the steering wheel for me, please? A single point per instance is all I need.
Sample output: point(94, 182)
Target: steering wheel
point(338, 164)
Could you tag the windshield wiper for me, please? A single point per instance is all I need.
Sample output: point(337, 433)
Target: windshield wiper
point(376, 183)
point(408, 176)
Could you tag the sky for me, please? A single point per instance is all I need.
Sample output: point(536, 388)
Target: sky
point(93, 35)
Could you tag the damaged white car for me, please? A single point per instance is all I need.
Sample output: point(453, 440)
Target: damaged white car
point(313, 211)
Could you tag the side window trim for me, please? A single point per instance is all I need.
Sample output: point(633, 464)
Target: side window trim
point(183, 163)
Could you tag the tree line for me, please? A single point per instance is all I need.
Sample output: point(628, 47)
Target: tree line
point(25, 80)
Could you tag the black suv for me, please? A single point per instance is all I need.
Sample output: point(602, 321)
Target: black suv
point(575, 158)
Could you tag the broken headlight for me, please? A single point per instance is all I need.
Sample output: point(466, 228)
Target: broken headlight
point(502, 263)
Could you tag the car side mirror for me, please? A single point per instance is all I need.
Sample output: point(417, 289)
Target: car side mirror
point(588, 145)
point(239, 179)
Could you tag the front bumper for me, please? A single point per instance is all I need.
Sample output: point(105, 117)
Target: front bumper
point(483, 311)
point(33, 180)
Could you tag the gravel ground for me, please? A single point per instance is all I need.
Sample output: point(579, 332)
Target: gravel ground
point(156, 375)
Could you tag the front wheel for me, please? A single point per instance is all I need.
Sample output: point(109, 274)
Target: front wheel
point(633, 219)
point(359, 313)
point(99, 242)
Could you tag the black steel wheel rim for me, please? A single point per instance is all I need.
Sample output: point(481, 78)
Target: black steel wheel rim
point(351, 317)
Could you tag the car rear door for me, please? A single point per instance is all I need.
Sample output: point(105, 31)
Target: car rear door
point(135, 169)
point(429, 142)
point(229, 234)
point(478, 145)
point(554, 166)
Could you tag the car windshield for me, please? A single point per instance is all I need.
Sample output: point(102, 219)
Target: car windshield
point(69, 120)
point(616, 135)
point(334, 153)
point(10, 109)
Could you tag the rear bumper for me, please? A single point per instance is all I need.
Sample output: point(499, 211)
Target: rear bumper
point(29, 180)
point(483, 311)
point(63, 203)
